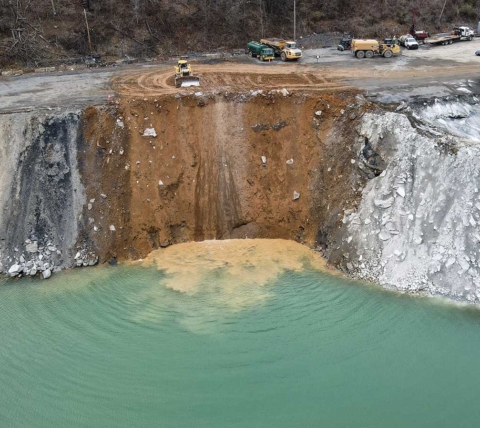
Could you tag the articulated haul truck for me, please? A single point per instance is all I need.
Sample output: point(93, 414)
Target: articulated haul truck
point(285, 49)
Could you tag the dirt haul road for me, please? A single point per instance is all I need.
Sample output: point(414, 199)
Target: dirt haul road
point(412, 74)
point(233, 77)
point(373, 76)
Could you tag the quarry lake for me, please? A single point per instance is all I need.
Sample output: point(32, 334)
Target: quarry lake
point(232, 334)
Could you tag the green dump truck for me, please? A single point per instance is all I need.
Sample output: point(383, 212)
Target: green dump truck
point(261, 51)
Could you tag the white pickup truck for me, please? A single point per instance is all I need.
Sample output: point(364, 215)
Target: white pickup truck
point(410, 43)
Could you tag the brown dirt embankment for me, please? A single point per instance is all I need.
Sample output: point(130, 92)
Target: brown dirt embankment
point(202, 176)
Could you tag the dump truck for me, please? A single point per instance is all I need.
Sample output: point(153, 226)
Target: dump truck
point(456, 35)
point(183, 75)
point(285, 49)
point(260, 51)
point(367, 48)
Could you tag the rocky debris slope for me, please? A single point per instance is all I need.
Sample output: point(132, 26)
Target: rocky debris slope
point(41, 192)
point(418, 224)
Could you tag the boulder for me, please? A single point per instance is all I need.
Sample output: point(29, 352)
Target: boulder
point(149, 132)
point(32, 247)
point(15, 269)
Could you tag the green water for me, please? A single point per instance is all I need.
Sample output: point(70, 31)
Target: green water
point(115, 347)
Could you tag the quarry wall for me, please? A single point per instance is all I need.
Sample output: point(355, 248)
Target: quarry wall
point(386, 195)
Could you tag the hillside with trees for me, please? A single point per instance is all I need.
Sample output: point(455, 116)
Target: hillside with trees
point(38, 32)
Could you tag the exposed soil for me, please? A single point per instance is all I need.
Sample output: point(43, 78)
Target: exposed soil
point(202, 177)
point(234, 77)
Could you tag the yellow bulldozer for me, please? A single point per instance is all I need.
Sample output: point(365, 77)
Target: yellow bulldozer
point(183, 75)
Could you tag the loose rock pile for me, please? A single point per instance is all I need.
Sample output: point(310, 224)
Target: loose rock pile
point(85, 258)
point(42, 257)
point(38, 258)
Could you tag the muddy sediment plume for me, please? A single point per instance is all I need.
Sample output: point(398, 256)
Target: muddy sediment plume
point(239, 262)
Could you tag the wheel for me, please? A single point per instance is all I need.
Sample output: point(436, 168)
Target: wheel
point(283, 57)
point(470, 38)
point(250, 54)
point(369, 54)
point(450, 42)
point(341, 48)
point(360, 54)
point(408, 47)
point(388, 53)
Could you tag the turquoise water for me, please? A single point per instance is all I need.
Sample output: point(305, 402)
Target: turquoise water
point(115, 347)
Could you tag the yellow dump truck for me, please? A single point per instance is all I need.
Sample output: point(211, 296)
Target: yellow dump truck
point(367, 48)
point(285, 49)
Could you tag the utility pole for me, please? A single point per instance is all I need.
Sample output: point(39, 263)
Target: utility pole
point(294, 20)
point(441, 13)
point(53, 8)
point(88, 31)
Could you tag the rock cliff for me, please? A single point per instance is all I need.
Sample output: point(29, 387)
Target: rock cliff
point(417, 227)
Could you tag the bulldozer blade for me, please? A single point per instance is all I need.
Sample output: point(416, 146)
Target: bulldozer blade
point(186, 81)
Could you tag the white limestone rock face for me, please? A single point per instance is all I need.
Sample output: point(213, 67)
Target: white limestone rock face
point(417, 226)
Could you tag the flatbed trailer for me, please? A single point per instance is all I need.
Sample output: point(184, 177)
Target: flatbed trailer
point(457, 35)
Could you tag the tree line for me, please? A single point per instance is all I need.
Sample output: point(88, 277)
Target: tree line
point(33, 31)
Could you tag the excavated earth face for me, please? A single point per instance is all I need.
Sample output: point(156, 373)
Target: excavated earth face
point(196, 167)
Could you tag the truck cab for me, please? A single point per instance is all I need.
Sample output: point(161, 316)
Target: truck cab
point(291, 51)
point(267, 54)
point(260, 51)
point(464, 32)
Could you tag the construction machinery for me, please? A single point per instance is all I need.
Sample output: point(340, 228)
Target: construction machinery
point(260, 51)
point(183, 75)
point(456, 35)
point(285, 49)
point(421, 35)
point(345, 44)
point(367, 48)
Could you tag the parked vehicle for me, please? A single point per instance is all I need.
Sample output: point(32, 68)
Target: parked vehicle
point(477, 52)
point(368, 48)
point(260, 51)
point(420, 36)
point(410, 43)
point(285, 49)
point(345, 44)
point(458, 34)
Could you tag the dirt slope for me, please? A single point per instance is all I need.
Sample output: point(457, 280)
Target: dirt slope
point(202, 176)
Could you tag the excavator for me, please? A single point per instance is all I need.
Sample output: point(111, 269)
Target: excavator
point(183, 75)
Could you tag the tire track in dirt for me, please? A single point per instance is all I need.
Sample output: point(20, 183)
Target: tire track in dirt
point(233, 78)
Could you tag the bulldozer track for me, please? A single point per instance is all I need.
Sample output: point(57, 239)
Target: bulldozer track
point(225, 77)
point(243, 77)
